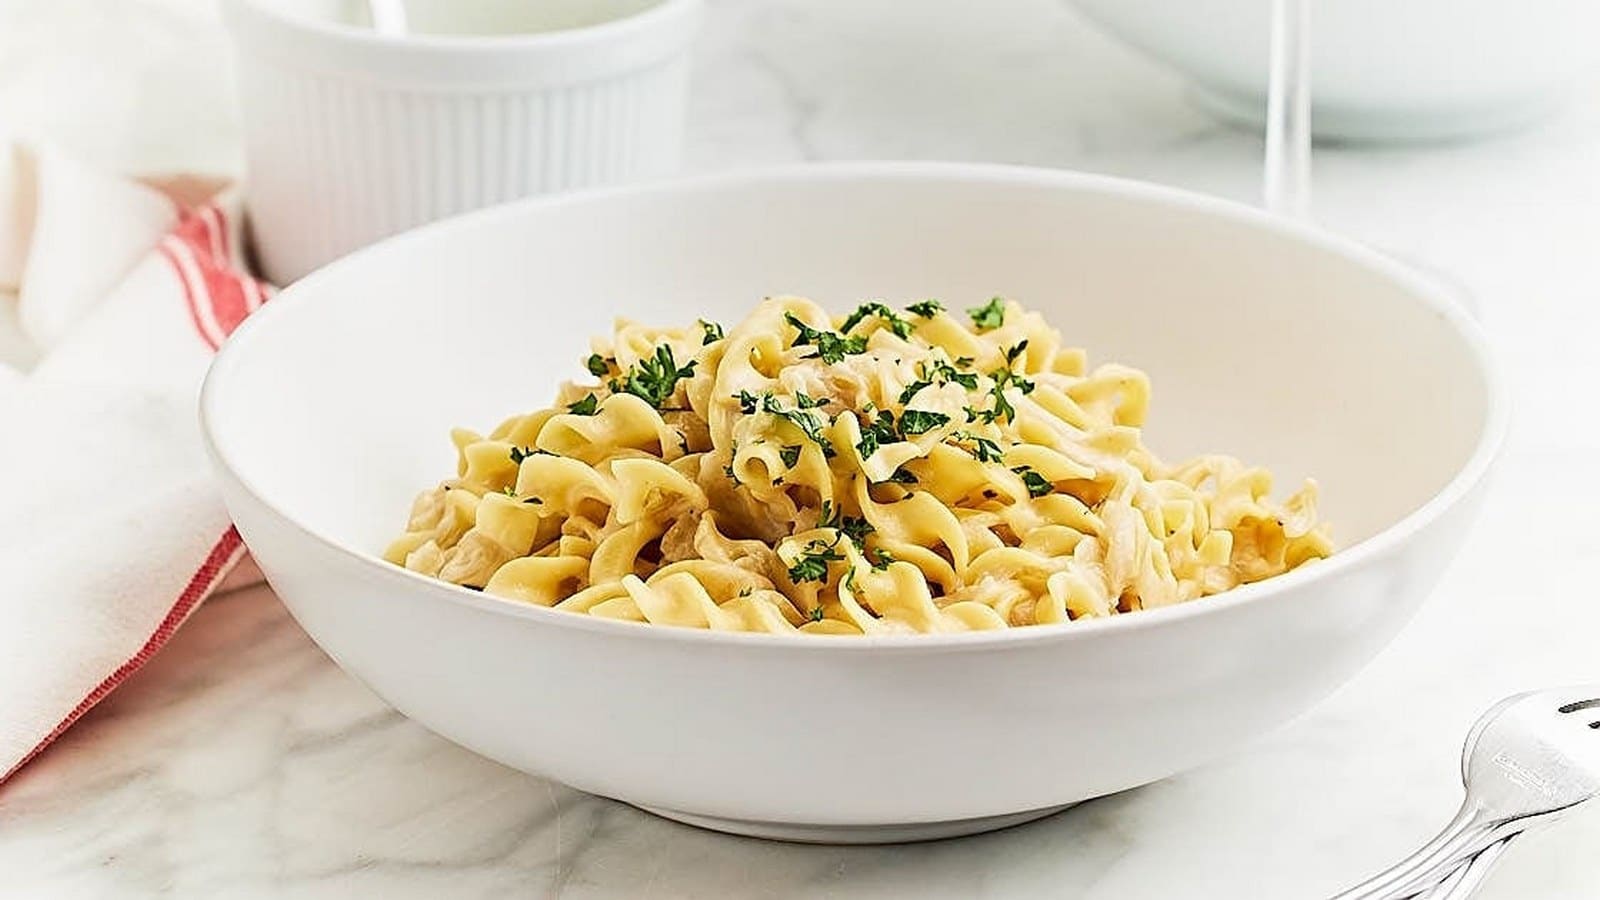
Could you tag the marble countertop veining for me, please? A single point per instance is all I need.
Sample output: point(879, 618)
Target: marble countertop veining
point(243, 763)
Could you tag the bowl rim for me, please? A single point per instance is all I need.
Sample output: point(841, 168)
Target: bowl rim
point(1471, 473)
point(450, 63)
point(327, 32)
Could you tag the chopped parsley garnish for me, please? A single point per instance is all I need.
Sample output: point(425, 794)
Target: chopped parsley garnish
point(710, 331)
point(747, 402)
point(1036, 483)
point(881, 559)
point(944, 372)
point(518, 454)
point(941, 372)
point(805, 402)
point(963, 362)
point(983, 449)
point(853, 527)
point(816, 614)
point(1002, 405)
point(654, 380)
point(1013, 352)
point(899, 326)
point(597, 365)
point(831, 346)
point(877, 432)
point(856, 529)
point(790, 455)
point(902, 475)
point(989, 316)
point(925, 308)
point(585, 406)
point(1002, 409)
point(509, 491)
point(921, 421)
point(808, 419)
point(911, 391)
point(812, 564)
point(938, 372)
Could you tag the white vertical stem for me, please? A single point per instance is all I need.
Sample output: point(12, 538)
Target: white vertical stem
point(1287, 179)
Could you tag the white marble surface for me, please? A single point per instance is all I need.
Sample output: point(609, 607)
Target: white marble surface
point(243, 763)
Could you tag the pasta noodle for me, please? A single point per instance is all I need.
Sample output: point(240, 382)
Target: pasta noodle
point(891, 471)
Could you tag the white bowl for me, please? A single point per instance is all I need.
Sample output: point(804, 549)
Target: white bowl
point(329, 409)
point(350, 137)
point(1381, 70)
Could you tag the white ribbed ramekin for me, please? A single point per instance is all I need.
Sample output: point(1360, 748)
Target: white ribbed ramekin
point(350, 137)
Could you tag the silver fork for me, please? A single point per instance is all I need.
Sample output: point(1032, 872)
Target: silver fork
point(1465, 881)
point(1527, 761)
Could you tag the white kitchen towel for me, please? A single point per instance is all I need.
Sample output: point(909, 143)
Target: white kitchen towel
point(112, 533)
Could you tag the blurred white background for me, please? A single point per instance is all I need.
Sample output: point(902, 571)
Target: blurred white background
point(132, 85)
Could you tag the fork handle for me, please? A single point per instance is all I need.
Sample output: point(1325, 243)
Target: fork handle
point(1467, 834)
point(1465, 881)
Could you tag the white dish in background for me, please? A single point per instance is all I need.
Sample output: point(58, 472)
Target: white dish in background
point(1381, 70)
point(1270, 340)
point(351, 136)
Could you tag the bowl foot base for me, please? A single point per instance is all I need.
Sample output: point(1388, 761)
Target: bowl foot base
point(1248, 111)
point(856, 834)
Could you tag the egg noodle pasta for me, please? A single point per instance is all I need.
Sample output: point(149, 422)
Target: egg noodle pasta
point(891, 471)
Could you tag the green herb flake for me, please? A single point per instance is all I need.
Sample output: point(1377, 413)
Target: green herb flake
point(856, 529)
point(895, 323)
point(832, 347)
point(983, 449)
point(509, 491)
point(809, 420)
point(921, 421)
point(878, 432)
point(585, 406)
point(881, 559)
point(817, 614)
point(518, 454)
point(711, 332)
point(941, 372)
point(989, 316)
point(1012, 353)
point(653, 380)
point(790, 455)
point(1036, 483)
point(812, 564)
point(853, 527)
point(902, 475)
point(927, 309)
point(747, 402)
point(911, 391)
point(597, 365)
point(1003, 409)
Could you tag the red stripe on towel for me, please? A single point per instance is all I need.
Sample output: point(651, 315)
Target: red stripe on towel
point(192, 298)
point(227, 551)
point(223, 295)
